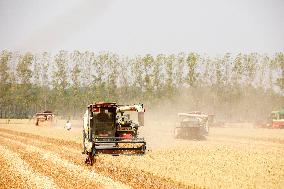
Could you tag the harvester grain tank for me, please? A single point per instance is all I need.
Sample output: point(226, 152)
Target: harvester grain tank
point(107, 130)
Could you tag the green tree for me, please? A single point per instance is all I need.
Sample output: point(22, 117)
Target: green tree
point(169, 82)
point(147, 63)
point(238, 69)
point(158, 76)
point(25, 90)
point(76, 89)
point(250, 68)
point(179, 67)
point(36, 84)
point(124, 81)
point(45, 83)
point(100, 77)
point(87, 61)
point(279, 59)
point(192, 75)
point(5, 83)
point(60, 84)
point(112, 79)
point(138, 83)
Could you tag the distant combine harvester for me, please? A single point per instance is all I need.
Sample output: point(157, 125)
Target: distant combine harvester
point(274, 121)
point(44, 118)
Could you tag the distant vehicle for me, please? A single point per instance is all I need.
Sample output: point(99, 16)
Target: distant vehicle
point(44, 118)
point(277, 119)
point(193, 125)
point(274, 121)
point(108, 130)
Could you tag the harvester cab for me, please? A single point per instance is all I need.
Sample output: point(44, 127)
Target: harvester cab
point(108, 130)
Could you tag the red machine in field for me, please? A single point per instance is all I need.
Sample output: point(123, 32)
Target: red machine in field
point(277, 118)
point(274, 121)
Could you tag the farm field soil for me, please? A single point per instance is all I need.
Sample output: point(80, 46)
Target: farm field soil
point(50, 157)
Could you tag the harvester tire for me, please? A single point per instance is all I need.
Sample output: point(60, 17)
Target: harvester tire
point(90, 160)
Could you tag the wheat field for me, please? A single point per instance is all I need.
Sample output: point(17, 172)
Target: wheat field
point(50, 157)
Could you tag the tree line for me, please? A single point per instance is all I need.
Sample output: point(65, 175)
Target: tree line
point(241, 86)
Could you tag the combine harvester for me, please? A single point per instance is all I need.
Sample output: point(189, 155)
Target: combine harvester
point(274, 121)
point(44, 118)
point(193, 125)
point(107, 130)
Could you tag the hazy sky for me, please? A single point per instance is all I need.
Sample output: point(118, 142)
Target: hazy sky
point(132, 27)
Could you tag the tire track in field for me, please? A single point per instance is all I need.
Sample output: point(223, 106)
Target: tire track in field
point(254, 144)
point(59, 142)
point(9, 178)
point(66, 174)
point(251, 138)
point(64, 152)
point(137, 179)
point(22, 170)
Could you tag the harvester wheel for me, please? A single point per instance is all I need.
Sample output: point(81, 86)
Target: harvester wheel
point(90, 160)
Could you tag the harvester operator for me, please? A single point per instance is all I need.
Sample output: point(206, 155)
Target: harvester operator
point(103, 116)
